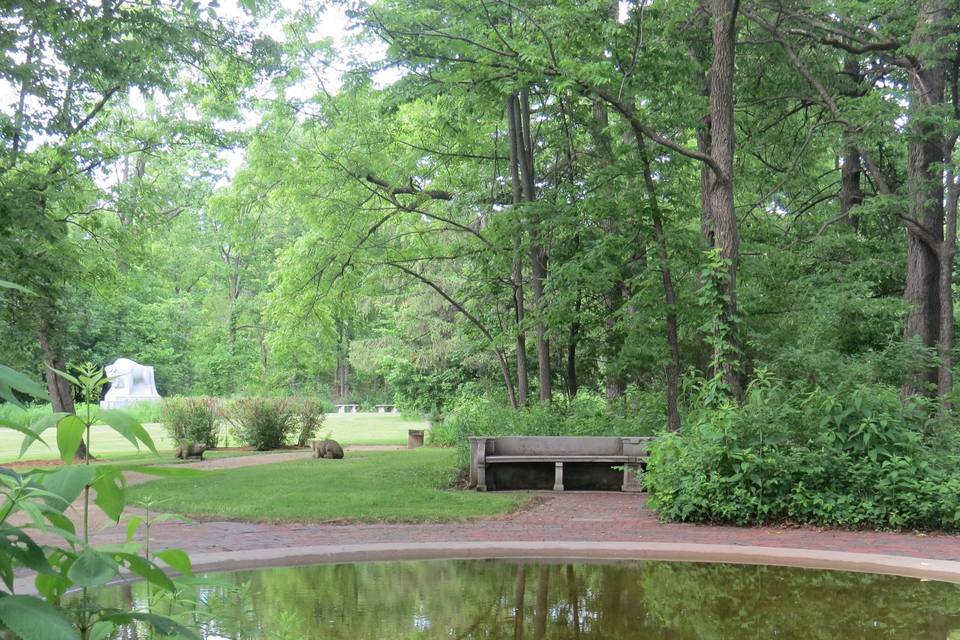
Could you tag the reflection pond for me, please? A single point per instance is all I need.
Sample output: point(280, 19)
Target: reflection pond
point(527, 600)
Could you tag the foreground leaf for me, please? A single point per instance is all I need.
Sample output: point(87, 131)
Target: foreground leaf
point(93, 569)
point(177, 559)
point(33, 619)
point(68, 482)
point(160, 624)
point(69, 436)
point(128, 427)
point(22, 383)
point(110, 487)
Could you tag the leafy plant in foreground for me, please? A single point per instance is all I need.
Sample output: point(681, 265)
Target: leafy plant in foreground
point(34, 504)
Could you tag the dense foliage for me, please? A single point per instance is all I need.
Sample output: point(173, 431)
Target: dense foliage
point(850, 456)
point(192, 420)
point(262, 423)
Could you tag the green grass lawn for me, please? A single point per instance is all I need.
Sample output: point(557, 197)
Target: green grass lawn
point(359, 428)
point(382, 486)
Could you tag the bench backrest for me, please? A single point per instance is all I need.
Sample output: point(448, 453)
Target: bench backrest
point(554, 445)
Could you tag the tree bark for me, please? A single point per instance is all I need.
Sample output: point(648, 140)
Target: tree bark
point(572, 383)
point(927, 79)
point(523, 377)
point(538, 256)
point(948, 254)
point(61, 395)
point(851, 192)
point(672, 369)
point(723, 212)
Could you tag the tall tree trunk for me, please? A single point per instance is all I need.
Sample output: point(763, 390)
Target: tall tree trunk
point(523, 378)
point(948, 252)
point(851, 193)
point(613, 298)
point(723, 212)
point(672, 369)
point(538, 256)
point(572, 383)
point(925, 183)
point(947, 257)
point(61, 396)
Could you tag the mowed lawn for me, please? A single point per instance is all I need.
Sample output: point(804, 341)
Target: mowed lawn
point(348, 429)
point(366, 486)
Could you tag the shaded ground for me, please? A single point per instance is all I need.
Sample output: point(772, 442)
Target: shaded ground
point(570, 516)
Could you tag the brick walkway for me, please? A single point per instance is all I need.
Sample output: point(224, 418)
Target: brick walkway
point(558, 517)
point(572, 516)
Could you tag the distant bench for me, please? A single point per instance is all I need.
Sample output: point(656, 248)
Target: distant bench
point(347, 408)
point(385, 408)
point(525, 457)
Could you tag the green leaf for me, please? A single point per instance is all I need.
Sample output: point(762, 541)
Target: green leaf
point(128, 427)
point(162, 625)
point(177, 559)
point(69, 436)
point(109, 485)
point(22, 383)
point(15, 543)
point(93, 569)
point(29, 434)
point(132, 526)
point(4, 284)
point(68, 482)
point(147, 570)
point(33, 619)
point(66, 376)
point(102, 630)
point(42, 423)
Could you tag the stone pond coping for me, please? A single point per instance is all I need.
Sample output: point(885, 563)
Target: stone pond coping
point(910, 567)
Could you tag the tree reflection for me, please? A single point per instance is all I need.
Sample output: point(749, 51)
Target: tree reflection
point(487, 600)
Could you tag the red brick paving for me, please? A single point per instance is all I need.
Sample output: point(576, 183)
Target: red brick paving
point(571, 516)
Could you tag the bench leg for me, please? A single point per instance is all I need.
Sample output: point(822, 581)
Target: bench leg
point(558, 476)
point(631, 481)
point(481, 477)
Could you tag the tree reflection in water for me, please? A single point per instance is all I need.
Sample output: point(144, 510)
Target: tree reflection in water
point(482, 600)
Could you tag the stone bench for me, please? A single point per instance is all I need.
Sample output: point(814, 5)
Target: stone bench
point(487, 454)
point(385, 408)
point(347, 408)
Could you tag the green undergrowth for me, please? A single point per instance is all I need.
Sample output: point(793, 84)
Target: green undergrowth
point(389, 486)
point(853, 456)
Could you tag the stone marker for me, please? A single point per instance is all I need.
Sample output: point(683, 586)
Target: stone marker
point(414, 438)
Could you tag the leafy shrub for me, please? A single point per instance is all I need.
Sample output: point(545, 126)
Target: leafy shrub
point(308, 414)
point(262, 423)
point(191, 420)
point(851, 457)
point(585, 415)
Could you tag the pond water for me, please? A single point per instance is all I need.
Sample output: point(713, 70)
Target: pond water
point(580, 601)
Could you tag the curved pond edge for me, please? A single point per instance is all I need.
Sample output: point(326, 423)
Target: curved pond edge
point(905, 566)
point(586, 551)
